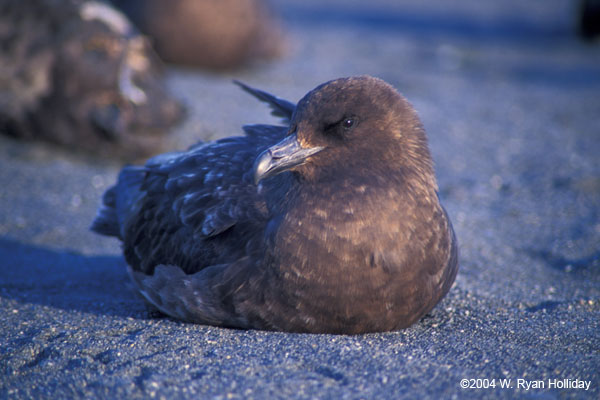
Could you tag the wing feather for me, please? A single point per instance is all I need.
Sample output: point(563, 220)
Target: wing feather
point(193, 207)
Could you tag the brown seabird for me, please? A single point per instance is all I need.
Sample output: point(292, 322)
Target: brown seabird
point(330, 224)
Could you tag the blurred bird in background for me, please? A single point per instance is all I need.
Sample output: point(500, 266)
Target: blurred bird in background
point(216, 34)
point(78, 73)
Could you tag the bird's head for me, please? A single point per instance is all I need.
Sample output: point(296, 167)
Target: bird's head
point(359, 125)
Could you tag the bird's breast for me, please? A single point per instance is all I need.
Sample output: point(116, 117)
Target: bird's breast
point(334, 234)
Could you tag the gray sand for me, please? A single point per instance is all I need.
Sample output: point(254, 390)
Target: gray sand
point(511, 101)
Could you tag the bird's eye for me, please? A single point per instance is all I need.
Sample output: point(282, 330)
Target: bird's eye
point(348, 123)
point(341, 127)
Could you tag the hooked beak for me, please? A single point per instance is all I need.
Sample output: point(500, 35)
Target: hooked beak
point(281, 157)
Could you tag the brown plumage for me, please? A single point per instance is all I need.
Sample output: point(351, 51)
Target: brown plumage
point(77, 73)
point(331, 223)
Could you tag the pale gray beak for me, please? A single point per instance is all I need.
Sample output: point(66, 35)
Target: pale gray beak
point(281, 157)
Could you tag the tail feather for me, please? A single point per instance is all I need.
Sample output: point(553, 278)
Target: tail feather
point(118, 201)
point(106, 220)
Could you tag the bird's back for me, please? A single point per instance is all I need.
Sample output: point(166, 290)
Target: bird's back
point(191, 209)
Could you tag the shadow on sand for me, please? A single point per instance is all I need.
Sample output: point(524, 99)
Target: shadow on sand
point(67, 280)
